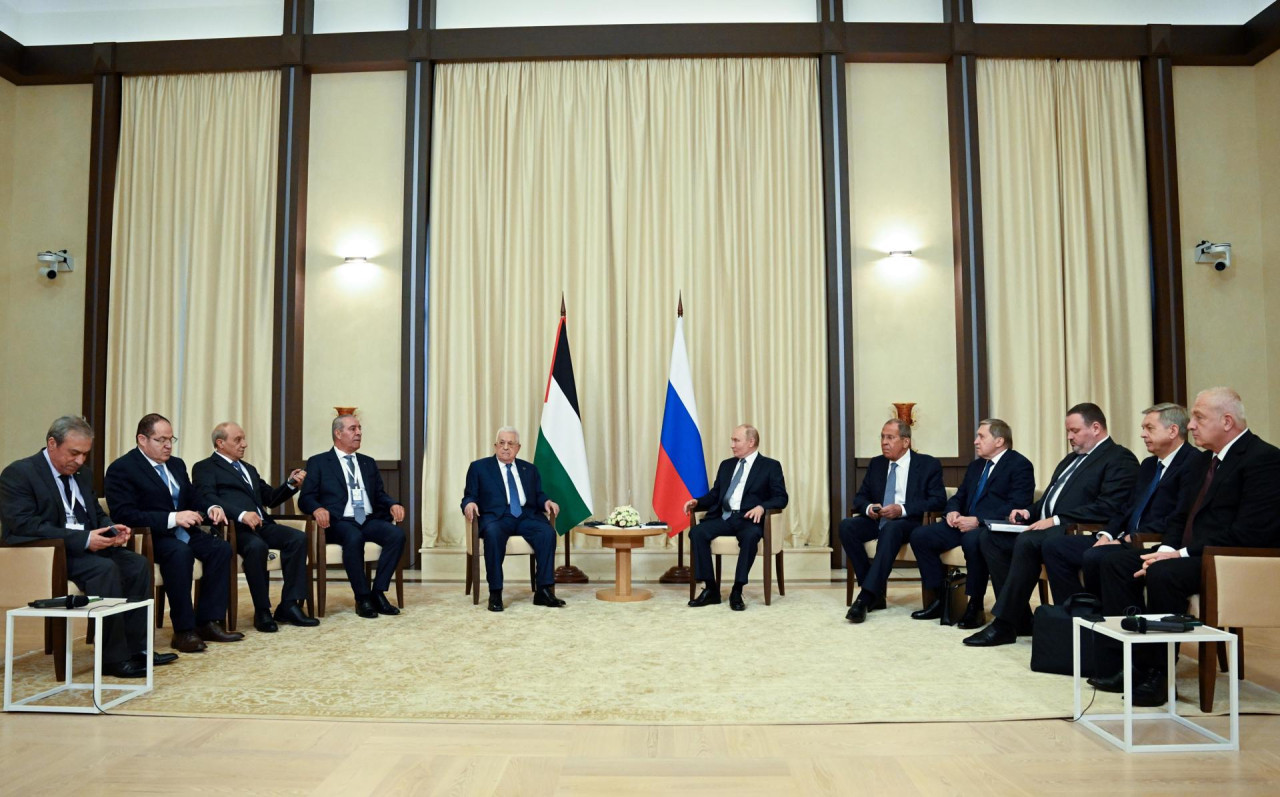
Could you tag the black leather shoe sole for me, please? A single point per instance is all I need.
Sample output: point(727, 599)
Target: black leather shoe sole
point(737, 603)
point(1110, 683)
point(705, 598)
point(495, 606)
point(857, 613)
point(124, 669)
point(977, 620)
point(931, 612)
point(266, 626)
point(366, 610)
point(990, 637)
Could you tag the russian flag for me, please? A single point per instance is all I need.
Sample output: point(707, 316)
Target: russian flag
point(682, 472)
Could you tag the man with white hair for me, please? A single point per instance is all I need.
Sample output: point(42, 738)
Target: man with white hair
point(1232, 500)
point(505, 495)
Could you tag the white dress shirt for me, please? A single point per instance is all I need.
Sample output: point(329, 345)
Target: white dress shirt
point(735, 497)
point(506, 486)
point(347, 511)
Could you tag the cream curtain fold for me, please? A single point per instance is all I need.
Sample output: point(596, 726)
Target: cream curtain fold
point(621, 185)
point(191, 308)
point(1067, 249)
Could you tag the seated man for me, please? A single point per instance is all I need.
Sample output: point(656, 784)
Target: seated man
point(227, 480)
point(149, 487)
point(747, 484)
point(506, 495)
point(1089, 486)
point(898, 488)
point(344, 493)
point(45, 497)
point(1231, 499)
point(997, 482)
point(1152, 501)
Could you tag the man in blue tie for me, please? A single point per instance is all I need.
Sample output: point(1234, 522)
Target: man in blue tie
point(747, 485)
point(998, 481)
point(343, 491)
point(505, 495)
point(898, 488)
point(1155, 496)
point(148, 487)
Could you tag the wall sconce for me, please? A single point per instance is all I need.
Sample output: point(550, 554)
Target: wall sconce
point(355, 261)
point(900, 253)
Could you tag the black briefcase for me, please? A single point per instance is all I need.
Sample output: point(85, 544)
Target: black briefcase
point(954, 601)
point(1051, 640)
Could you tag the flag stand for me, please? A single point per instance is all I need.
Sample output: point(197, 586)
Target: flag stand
point(678, 573)
point(569, 573)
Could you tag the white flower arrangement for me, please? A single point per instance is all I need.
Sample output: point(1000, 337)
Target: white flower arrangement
point(624, 517)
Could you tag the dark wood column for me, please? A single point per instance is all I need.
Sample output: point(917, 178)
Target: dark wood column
point(1169, 354)
point(291, 240)
point(419, 84)
point(103, 156)
point(972, 389)
point(837, 243)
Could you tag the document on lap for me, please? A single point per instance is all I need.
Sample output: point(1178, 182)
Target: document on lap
point(1004, 525)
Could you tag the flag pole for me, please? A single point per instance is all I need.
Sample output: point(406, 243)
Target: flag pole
point(569, 573)
point(678, 573)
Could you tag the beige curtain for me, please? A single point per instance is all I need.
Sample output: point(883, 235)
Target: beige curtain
point(622, 184)
point(191, 282)
point(1067, 249)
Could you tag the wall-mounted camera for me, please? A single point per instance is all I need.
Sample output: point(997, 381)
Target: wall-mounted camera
point(53, 262)
point(1216, 255)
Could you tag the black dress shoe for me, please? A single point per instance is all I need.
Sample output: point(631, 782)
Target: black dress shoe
point(213, 631)
point(125, 669)
point(707, 597)
point(931, 612)
point(292, 614)
point(878, 604)
point(857, 612)
point(546, 596)
point(263, 621)
point(992, 635)
point(736, 602)
point(974, 615)
point(495, 600)
point(383, 605)
point(1150, 689)
point(1108, 683)
point(365, 608)
point(157, 659)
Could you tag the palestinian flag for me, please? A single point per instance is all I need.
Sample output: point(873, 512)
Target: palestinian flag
point(561, 455)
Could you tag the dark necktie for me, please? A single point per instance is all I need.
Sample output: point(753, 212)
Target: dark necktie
point(890, 490)
point(513, 493)
point(182, 534)
point(1195, 508)
point(733, 485)
point(1135, 519)
point(77, 508)
point(244, 474)
point(982, 485)
point(1055, 489)
point(357, 507)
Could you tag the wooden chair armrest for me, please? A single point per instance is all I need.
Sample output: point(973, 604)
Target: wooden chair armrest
point(1081, 529)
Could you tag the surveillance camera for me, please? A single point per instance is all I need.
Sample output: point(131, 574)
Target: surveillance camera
point(1216, 255)
point(50, 263)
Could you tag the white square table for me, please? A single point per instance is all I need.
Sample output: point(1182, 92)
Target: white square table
point(1110, 627)
point(95, 612)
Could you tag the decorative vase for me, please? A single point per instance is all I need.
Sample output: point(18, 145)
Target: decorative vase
point(905, 412)
point(346, 410)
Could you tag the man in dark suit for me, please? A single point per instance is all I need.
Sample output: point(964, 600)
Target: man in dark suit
point(1231, 499)
point(898, 488)
point(997, 482)
point(747, 485)
point(149, 487)
point(1090, 486)
point(45, 497)
point(505, 494)
point(344, 493)
point(226, 480)
point(1153, 500)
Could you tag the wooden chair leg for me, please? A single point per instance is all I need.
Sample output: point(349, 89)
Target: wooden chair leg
point(719, 577)
point(782, 582)
point(533, 577)
point(467, 590)
point(1222, 657)
point(475, 578)
point(1239, 632)
point(1044, 592)
point(159, 607)
point(768, 579)
point(233, 593)
point(848, 582)
point(1208, 675)
point(322, 583)
point(400, 585)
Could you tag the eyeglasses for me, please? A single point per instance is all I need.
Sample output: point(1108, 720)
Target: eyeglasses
point(505, 444)
point(164, 441)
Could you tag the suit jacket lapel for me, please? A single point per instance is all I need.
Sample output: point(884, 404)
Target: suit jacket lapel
point(1228, 466)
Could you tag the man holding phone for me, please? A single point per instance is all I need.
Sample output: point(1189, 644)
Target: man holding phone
point(45, 497)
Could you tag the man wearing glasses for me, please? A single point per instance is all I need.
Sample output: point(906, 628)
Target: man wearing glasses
point(149, 487)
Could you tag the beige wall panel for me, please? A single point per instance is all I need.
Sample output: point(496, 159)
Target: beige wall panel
point(900, 198)
point(1267, 93)
point(44, 184)
point(354, 208)
point(1220, 197)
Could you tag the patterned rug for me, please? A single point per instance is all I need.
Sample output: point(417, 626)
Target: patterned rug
point(654, 662)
